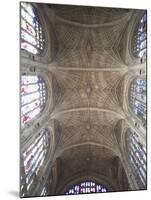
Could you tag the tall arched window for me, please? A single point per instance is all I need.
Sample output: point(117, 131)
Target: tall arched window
point(138, 98)
point(33, 97)
point(32, 39)
point(139, 46)
point(34, 156)
point(137, 156)
point(85, 188)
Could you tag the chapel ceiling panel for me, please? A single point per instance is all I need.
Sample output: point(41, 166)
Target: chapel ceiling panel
point(89, 15)
point(89, 47)
point(82, 159)
point(88, 90)
point(100, 135)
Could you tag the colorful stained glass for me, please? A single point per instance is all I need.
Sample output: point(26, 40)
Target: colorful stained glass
point(137, 156)
point(86, 187)
point(140, 40)
point(138, 98)
point(34, 156)
point(33, 97)
point(32, 39)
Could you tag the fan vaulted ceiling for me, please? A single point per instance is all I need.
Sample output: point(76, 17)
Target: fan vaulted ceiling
point(88, 72)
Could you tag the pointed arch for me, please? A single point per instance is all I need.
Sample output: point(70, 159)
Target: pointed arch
point(32, 36)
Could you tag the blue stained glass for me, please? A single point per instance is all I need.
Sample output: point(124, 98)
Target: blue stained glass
point(137, 156)
point(86, 187)
point(138, 98)
point(145, 17)
point(140, 38)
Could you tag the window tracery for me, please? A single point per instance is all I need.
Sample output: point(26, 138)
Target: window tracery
point(138, 98)
point(33, 97)
point(32, 38)
point(86, 187)
point(34, 156)
point(140, 39)
point(137, 156)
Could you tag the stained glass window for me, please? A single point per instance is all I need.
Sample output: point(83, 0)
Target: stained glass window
point(34, 156)
point(22, 187)
point(138, 98)
point(140, 39)
point(137, 156)
point(32, 39)
point(33, 97)
point(86, 187)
